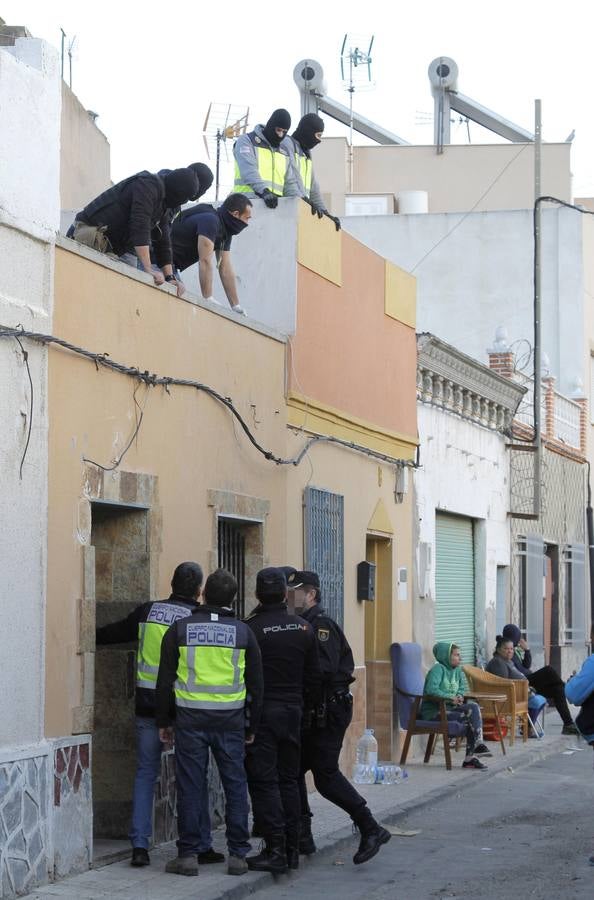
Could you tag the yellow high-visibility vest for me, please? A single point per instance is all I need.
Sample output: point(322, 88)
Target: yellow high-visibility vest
point(150, 635)
point(211, 669)
point(272, 166)
point(304, 166)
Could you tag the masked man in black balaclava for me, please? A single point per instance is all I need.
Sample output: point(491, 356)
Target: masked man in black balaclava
point(262, 166)
point(203, 234)
point(299, 145)
point(130, 216)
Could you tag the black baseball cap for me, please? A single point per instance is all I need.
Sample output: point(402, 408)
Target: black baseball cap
point(270, 581)
point(288, 571)
point(299, 578)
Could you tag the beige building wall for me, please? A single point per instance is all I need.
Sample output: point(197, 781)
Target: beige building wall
point(188, 461)
point(454, 180)
point(84, 154)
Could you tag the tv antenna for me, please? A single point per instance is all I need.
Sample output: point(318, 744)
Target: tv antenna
point(223, 121)
point(355, 71)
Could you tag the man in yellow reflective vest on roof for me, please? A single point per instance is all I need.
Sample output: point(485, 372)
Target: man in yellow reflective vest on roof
point(262, 166)
point(211, 664)
point(299, 145)
point(147, 624)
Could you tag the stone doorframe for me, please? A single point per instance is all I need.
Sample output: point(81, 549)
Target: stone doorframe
point(129, 489)
point(249, 511)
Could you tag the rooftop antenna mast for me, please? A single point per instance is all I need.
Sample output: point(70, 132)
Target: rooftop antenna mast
point(355, 70)
point(224, 121)
point(70, 49)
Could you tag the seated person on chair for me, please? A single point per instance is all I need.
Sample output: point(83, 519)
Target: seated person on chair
point(447, 680)
point(545, 680)
point(502, 664)
point(580, 691)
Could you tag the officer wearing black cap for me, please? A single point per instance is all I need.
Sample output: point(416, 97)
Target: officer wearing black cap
point(326, 724)
point(291, 672)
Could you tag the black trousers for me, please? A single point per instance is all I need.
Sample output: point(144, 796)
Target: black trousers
point(320, 750)
point(547, 682)
point(272, 765)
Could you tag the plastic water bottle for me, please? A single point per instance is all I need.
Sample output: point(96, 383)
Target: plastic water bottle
point(366, 758)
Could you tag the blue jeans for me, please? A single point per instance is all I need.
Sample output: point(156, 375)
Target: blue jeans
point(148, 770)
point(191, 761)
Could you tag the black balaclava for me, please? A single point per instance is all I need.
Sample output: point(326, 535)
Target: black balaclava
point(232, 224)
point(280, 118)
point(180, 186)
point(205, 178)
point(306, 131)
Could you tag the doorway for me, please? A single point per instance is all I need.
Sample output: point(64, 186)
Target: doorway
point(552, 650)
point(378, 638)
point(119, 535)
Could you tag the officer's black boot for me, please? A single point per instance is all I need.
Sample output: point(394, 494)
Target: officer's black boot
point(292, 844)
point(372, 836)
point(306, 842)
point(272, 858)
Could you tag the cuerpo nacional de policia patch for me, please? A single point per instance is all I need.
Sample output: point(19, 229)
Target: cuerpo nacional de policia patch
point(323, 634)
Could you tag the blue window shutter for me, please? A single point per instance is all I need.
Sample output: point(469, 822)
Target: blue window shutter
point(578, 594)
point(535, 591)
point(324, 546)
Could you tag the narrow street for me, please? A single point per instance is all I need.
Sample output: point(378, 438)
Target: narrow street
point(525, 835)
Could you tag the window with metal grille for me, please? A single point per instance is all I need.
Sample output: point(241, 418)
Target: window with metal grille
point(231, 551)
point(324, 546)
point(530, 553)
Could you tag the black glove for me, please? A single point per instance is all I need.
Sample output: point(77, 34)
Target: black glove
point(270, 199)
point(317, 211)
point(336, 221)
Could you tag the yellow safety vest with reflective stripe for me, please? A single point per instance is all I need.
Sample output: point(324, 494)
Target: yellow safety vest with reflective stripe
point(272, 166)
point(211, 668)
point(304, 166)
point(150, 634)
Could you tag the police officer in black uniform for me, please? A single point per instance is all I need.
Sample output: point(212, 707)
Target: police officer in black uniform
point(325, 725)
point(291, 672)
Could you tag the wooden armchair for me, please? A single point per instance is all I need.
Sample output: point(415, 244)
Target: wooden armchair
point(515, 691)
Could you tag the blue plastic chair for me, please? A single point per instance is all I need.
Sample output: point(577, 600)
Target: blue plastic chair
point(408, 682)
point(537, 705)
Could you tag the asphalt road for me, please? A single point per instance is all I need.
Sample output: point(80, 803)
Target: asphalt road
point(525, 834)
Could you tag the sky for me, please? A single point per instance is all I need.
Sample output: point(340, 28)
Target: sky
point(151, 69)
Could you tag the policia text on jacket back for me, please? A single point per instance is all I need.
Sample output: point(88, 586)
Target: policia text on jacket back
point(211, 664)
point(148, 624)
point(326, 725)
point(291, 669)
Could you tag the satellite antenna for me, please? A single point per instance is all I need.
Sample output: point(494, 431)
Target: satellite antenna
point(355, 71)
point(223, 121)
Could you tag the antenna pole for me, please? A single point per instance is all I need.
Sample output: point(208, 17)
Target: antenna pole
point(537, 309)
point(62, 53)
point(218, 163)
point(351, 92)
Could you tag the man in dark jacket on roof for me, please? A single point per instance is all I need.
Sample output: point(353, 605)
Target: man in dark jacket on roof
point(203, 234)
point(326, 725)
point(133, 215)
point(210, 664)
point(147, 624)
point(291, 671)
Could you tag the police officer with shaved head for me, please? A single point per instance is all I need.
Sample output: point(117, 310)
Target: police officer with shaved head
point(291, 672)
point(326, 725)
point(147, 624)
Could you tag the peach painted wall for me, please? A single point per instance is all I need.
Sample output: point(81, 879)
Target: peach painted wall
point(186, 439)
point(347, 353)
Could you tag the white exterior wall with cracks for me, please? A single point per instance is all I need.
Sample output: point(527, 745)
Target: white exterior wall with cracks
point(29, 216)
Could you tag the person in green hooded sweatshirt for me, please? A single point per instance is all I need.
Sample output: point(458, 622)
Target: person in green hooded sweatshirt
point(446, 679)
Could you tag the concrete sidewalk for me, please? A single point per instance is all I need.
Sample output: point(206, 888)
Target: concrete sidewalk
point(332, 829)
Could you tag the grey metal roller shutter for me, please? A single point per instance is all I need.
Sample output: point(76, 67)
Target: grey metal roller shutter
point(454, 583)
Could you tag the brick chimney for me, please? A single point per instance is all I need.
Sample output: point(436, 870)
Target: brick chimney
point(501, 357)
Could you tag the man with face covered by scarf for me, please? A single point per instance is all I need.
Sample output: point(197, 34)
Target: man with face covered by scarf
point(262, 167)
point(299, 145)
point(203, 234)
point(130, 216)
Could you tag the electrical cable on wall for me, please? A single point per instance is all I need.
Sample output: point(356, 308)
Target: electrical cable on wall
point(153, 380)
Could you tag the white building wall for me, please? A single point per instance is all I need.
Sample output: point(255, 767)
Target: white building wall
point(464, 470)
point(29, 217)
point(476, 273)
